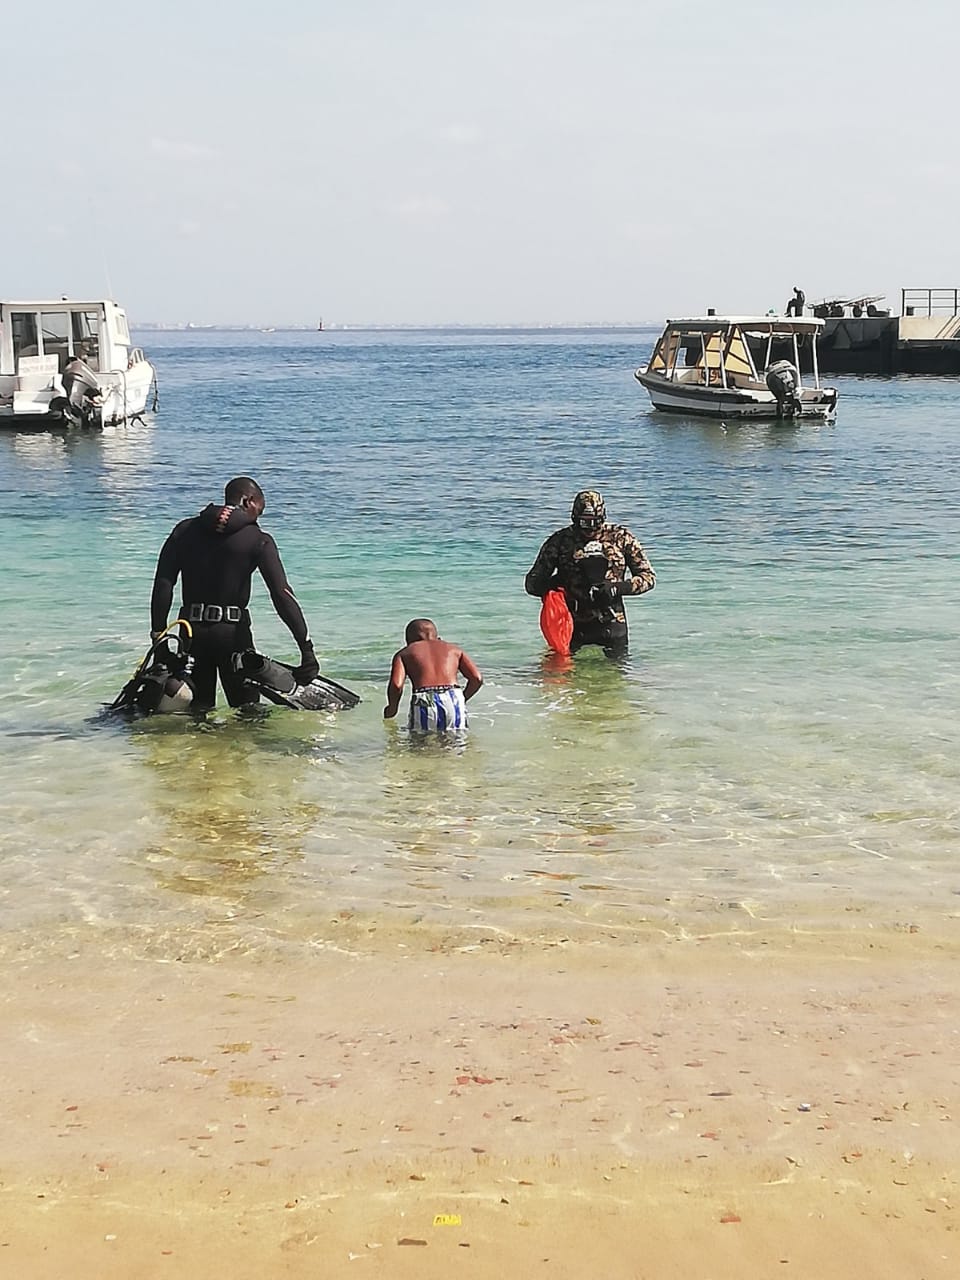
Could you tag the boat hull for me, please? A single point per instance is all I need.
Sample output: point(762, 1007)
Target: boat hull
point(721, 402)
point(123, 395)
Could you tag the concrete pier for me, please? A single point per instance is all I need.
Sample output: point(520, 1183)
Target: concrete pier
point(909, 343)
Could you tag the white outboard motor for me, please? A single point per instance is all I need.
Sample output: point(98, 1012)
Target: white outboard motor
point(82, 389)
point(784, 381)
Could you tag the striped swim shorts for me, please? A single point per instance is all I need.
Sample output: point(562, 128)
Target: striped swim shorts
point(439, 708)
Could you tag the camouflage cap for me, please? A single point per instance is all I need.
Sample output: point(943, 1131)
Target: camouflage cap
point(588, 502)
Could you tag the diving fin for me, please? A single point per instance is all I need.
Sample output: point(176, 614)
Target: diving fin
point(278, 682)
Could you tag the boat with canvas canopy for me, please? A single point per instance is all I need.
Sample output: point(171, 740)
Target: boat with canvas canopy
point(738, 367)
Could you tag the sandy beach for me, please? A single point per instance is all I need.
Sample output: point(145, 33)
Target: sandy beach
point(740, 1104)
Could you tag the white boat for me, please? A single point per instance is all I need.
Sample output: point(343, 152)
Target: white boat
point(69, 363)
point(739, 367)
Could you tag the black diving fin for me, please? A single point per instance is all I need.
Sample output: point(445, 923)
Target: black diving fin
point(278, 682)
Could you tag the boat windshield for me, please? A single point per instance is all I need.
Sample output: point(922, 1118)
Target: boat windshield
point(57, 334)
point(23, 328)
point(86, 337)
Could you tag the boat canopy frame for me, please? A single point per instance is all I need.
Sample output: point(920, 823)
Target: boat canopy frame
point(725, 350)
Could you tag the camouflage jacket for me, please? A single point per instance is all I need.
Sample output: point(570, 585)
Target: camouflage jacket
point(573, 560)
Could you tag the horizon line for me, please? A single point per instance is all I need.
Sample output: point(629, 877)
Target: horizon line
point(251, 326)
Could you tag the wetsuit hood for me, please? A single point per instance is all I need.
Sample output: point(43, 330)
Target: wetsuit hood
point(224, 519)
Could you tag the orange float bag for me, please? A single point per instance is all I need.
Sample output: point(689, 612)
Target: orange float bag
point(556, 621)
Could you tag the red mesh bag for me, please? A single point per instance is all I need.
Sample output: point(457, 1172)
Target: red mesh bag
point(556, 621)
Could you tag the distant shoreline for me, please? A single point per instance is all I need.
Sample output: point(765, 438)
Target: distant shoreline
point(189, 327)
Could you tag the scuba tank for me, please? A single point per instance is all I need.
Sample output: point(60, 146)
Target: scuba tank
point(161, 683)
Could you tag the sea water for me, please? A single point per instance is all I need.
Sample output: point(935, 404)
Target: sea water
point(779, 748)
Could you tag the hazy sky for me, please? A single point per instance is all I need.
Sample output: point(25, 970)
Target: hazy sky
point(433, 161)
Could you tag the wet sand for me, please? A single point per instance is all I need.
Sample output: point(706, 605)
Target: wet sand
point(746, 1104)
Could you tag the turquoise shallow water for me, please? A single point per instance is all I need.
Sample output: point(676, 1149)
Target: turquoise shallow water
point(780, 746)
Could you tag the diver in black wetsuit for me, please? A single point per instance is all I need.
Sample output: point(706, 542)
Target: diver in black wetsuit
point(215, 555)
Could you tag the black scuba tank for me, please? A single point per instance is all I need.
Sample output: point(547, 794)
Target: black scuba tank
point(162, 682)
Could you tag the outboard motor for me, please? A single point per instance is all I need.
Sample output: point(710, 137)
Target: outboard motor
point(82, 390)
point(784, 381)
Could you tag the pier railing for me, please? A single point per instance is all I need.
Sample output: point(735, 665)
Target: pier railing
point(930, 302)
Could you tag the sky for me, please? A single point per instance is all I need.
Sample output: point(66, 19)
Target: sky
point(510, 162)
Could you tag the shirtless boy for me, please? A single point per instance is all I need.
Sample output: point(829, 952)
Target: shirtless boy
point(432, 665)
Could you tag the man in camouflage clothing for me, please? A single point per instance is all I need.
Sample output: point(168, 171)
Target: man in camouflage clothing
point(589, 559)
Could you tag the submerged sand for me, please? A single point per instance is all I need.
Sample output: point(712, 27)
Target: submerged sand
point(727, 1106)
